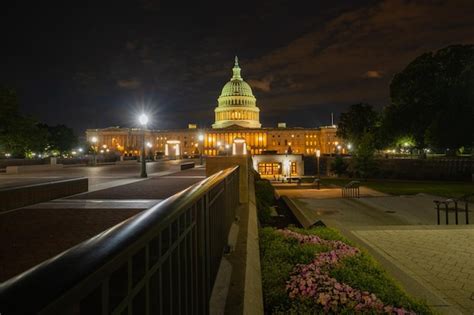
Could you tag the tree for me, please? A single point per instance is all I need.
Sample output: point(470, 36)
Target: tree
point(18, 135)
point(364, 159)
point(356, 122)
point(339, 166)
point(61, 138)
point(432, 100)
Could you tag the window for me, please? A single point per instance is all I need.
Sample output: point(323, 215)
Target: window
point(293, 168)
point(269, 168)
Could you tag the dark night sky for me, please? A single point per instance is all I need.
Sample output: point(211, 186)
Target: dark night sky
point(92, 65)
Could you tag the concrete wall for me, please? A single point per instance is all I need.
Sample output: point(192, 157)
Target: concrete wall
point(16, 197)
point(215, 164)
point(32, 168)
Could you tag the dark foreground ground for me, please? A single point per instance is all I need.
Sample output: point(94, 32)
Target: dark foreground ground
point(31, 235)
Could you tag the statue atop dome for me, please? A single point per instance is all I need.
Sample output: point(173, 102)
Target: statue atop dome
point(236, 70)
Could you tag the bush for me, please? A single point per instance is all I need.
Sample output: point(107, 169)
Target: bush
point(281, 254)
point(265, 197)
point(339, 166)
point(264, 212)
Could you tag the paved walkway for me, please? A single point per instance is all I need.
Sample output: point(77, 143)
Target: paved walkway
point(441, 257)
point(432, 262)
point(33, 234)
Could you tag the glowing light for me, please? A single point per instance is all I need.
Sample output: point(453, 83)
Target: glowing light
point(94, 139)
point(108, 150)
point(8, 154)
point(74, 152)
point(338, 147)
point(80, 150)
point(201, 137)
point(219, 143)
point(349, 146)
point(318, 153)
point(148, 144)
point(101, 151)
point(143, 119)
point(104, 146)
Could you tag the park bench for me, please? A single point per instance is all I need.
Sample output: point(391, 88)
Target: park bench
point(299, 179)
point(317, 183)
point(451, 204)
point(351, 190)
point(187, 165)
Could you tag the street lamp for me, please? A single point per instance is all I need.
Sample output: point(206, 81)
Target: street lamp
point(94, 149)
point(201, 143)
point(227, 149)
point(318, 155)
point(218, 147)
point(143, 120)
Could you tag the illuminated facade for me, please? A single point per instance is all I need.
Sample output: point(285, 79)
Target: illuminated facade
point(236, 116)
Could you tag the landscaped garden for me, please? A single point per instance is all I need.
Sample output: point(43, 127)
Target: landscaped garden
point(317, 271)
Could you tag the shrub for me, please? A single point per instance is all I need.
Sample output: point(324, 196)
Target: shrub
point(339, 166)
point(318, 271)
point(264, 191)
point(265, 196)
point(264, 212)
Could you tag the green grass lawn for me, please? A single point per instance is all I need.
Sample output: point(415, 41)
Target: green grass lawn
point(399, 187)
point(280, 255)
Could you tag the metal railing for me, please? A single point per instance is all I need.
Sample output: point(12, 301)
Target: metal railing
point(351, 190)
point(445, 205)
point(161, 261)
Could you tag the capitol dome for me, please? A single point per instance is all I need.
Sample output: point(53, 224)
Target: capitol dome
point(237, 106)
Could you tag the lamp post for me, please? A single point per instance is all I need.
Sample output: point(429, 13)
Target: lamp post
point(227, 149)
point(318, 155)
point(143, 119)
point(201, 147)
point(94, 148)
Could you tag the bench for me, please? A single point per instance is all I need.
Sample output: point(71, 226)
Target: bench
point(351, 190)
point(452, 205)
point(317, 183)
point(187, 165)
point(299, 179)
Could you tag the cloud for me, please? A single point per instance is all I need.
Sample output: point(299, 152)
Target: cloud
point(327, 61)
point(129, 84)
point(373, 74)
point(263, 85)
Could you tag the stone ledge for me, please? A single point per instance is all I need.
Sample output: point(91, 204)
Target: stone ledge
point(32, 168)
point(21, 196)
point(238, 286)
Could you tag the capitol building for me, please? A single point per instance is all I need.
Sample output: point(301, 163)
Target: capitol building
point(237, 117)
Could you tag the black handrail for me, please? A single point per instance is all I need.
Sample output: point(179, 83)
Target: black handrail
point(174, 246)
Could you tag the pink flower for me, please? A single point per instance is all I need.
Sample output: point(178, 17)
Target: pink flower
point(313, 280)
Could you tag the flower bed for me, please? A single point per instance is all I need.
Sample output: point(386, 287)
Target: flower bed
point(317, 271)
